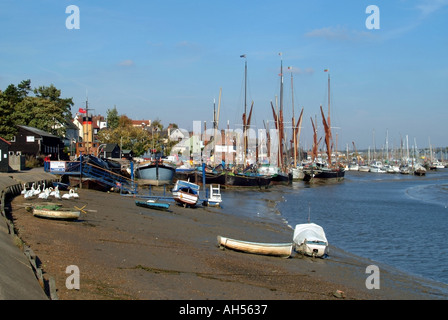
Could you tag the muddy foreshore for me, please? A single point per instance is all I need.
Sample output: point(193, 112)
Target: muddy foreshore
point(126, 252)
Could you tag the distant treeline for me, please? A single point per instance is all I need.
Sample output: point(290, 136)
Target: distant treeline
point(41, 108)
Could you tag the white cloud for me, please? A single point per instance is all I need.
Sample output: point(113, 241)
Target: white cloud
point(126, 63)
point(339, 33)
point(430, 6)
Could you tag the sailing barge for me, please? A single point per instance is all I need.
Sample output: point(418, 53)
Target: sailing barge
point(324, 171)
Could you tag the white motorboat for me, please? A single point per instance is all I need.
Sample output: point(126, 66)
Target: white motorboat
point(214, 199)
point(186, 193)
point(309, 239)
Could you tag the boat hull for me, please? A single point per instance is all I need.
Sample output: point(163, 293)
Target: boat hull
point(155, 174)
point(243, 180)
point(184, 174)
point(271, 249)
point(152, 205)
point(186, 193)
point(88, 183)
point(185, 198)
point(214, 199)
point(311, 175)
point(297, 174)
point(282, 178)
point(211, 178)
point(420, 172)
point(309, 239)
point(312, 249)
point(59, 214)
point(212, 203)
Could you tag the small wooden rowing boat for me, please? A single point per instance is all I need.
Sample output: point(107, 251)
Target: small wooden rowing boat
point(271, 249)
point(150, 204)
point(56, 212)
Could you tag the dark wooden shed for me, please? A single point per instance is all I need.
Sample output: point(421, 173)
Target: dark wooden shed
point(36, 142)
point(4, 155)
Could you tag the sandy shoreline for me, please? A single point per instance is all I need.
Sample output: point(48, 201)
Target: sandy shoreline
point(126, 252)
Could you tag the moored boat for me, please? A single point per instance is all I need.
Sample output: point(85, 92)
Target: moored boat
point(186, 193)
point(151, 204)
point(353, 167)
point(321, 172)
point(324, 170)
point(88, 183)
point(364, 168)
point(184, 173)
point(297, 173)
point(377, 167)
point(405, 169)
point(419, 170)
point(247, 180)
point(55, 212)
point(272, 249)
point(155, 172)
point(277, 175)
point(309, 239)
point(211, 177)
point(214, 199)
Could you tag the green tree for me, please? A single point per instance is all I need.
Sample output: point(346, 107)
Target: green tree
point(7, 131)
point(15, 94)
point(46, 110)
point(157, 125)
point(127, 136)
point(112, 118)
point(53, 95)
point(40, 113)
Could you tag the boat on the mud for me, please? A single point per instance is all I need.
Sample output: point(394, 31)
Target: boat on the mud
point(247, 179)
point(55, 212)
point(186, 193)
point(151, 204)
point(272, 249)
point(276, 175)
point(214, 198)
point(88, 183)
point(96, 173)
point(309, 239)
point(157, 172)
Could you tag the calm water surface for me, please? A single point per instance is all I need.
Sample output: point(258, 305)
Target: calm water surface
point(399, 220)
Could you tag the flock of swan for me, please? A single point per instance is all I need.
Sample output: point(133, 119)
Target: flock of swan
point(45, 193)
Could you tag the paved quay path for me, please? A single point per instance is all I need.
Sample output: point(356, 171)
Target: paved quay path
point(20, 277)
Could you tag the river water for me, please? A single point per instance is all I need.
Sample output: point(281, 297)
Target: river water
point(394, 219)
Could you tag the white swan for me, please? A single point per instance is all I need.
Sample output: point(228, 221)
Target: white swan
point(66, 196)
point(45, 194)
point(24, 189)
point(36, 191)
point(28, 194)
point(57, 195)
point(73, 194)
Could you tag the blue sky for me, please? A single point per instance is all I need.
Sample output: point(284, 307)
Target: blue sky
point(168, 60)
